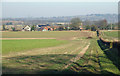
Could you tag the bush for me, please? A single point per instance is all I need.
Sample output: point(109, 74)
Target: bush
point(13, 28)
point(94, 28)
point(61, 28)
point(33, 28)
point(87, 27)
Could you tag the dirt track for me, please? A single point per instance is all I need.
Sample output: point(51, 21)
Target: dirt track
point(23, 38)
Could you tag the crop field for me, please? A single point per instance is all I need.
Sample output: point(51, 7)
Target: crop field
point(70, 52)
point(18, 45)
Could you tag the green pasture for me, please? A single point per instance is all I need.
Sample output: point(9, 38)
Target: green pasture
point(110, 35)
point(47, 61)
point(9, 46)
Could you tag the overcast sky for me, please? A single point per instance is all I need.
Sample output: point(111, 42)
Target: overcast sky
point(48, 9)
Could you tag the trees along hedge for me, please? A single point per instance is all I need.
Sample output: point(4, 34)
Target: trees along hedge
point(33, 28)
point(3, 28)
point(94, 28)
point(75, 23)
point(13, 28)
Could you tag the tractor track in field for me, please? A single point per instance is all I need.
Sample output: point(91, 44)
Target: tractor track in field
point(78, 56)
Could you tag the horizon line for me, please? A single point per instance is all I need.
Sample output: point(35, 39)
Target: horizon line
point(60, 16)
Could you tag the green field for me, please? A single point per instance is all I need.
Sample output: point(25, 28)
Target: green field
point(110, 35)
point(71, 52)
point(10, 46)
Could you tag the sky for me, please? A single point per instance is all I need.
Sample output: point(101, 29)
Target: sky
point(60, 0)
point(49, 9)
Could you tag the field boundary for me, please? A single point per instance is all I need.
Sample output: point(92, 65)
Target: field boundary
point(110, 43)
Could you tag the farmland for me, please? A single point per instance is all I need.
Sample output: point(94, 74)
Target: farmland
point(51, 34)
point(71, 52)
point(18, 45)
point(110, 35)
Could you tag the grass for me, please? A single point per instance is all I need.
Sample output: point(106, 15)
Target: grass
point(109, 59)
point(47, 61)
point(110, 35)
point(51, 56)
point(97, 61)
point(10, 46)
point(51, 34)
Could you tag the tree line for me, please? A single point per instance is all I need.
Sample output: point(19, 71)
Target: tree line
point(77, 24)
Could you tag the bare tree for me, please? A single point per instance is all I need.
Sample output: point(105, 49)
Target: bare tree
point(75, 23)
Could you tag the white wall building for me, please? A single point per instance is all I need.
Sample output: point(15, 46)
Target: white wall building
point(27, 28)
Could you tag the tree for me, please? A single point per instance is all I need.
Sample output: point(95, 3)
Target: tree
point(33, 27)
point(3, 28)
point(87, 22)
point(75, 23)
point(9, 23)
point(102, 24)
point(13, 28)
point(87, 27)
point(94, 28)
point(61, 28)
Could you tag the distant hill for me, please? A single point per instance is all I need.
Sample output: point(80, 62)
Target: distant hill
point(111, 18)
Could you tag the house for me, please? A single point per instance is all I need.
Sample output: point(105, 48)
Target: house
point(43, 27)
point(55, 28)
point(27, 28)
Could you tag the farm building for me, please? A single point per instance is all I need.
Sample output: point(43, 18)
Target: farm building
point(56, 27)
point(27, 28)
point(43, 27)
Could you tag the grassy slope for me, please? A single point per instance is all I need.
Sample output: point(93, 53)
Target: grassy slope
point(109, 59)
point(21, 45)
point(96, 61)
